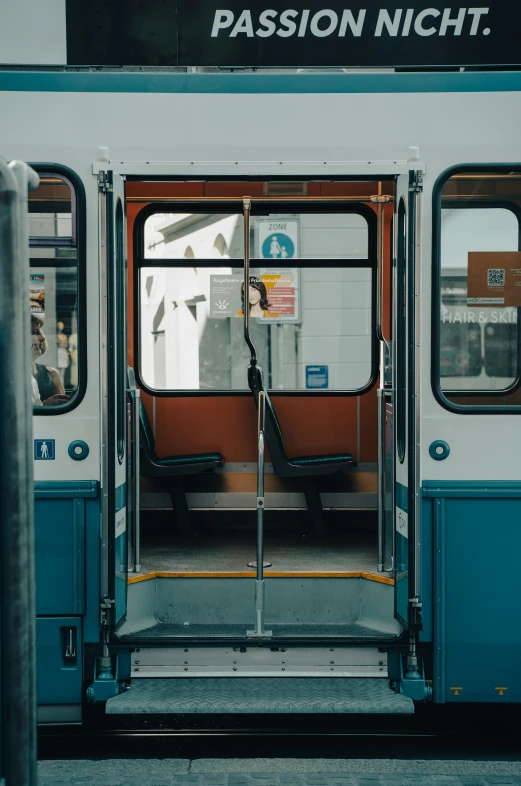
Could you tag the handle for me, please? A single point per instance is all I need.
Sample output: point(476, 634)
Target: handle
point(246, 284)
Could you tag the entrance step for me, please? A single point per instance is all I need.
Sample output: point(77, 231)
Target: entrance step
point(214, 695)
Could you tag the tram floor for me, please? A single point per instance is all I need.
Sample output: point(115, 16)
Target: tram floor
point(228, 548)
point(317, 588)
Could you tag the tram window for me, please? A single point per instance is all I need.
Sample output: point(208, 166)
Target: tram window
point(56, 327)
point(194, 235)
point(277, 236)
point(477, 344)
point(500, 350)
point(311, 295)
point(310, 326)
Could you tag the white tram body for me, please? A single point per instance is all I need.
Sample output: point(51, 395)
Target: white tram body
point(449, 516)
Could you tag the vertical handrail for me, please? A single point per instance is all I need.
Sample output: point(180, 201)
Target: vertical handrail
point(136, 478)
point(17, 581)
point(381, 476)
point(259, 630)
point(246, 284)
point(134, 470)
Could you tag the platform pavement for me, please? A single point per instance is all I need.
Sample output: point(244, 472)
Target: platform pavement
point(279, 772)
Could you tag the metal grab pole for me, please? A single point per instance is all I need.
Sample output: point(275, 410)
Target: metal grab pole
point(246, 284)
point(381, 465)
point(137, 490)
point(17, 584)
point(259, 631)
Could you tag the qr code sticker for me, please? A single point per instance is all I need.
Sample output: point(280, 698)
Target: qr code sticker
point(495, 277)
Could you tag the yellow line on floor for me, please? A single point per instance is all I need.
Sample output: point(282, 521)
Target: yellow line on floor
point(347, 574)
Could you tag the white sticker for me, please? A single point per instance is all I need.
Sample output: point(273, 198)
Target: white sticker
point(121, 522)
point(401, 522)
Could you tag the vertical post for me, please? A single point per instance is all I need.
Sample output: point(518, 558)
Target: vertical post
point(17, 583)
point(246, 284)
point(136, 471)
point(381, 475)
point(259, 630)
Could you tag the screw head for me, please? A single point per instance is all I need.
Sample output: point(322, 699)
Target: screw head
point(137, 662)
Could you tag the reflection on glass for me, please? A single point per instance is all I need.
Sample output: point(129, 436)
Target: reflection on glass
point(50, 210)
point(478, 342)
point(277, 237)
point(302, 318)
point(54, 334)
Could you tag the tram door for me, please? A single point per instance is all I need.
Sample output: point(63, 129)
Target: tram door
point(114, 397)
point(404, 405)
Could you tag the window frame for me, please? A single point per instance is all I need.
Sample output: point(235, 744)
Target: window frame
point(140, 261)
point(401, 330)
point(79, 233)
point(121, 332)
point(477, 203)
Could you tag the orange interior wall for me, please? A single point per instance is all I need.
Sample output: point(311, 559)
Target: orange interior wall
point(227, 424)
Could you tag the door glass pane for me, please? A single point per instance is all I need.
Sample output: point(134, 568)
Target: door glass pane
point(51, 210)
point(478, 333)
point(54, 333)
point(312, 327)
point(280, 236)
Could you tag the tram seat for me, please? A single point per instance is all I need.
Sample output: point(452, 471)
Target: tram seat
point(308, 467)
point(173, 467)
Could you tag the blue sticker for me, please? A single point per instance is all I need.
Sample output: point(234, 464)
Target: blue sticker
point(317, 377)
point(44, 449)
point(278, 246)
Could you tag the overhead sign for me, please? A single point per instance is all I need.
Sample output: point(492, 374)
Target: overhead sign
point(235, 33)
point(494, 278)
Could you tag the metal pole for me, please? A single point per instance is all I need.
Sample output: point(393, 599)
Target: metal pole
point(381, 477)
point(259, 631)
point(137, 491)
point(246, 299)
point(17, 581)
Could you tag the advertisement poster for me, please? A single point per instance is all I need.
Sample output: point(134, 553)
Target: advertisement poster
point(494, 278)
point(273, 295)
point(37, 294)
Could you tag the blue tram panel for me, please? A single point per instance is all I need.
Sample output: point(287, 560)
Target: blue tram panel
point(477, 630)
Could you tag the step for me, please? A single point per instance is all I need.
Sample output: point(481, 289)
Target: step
point(214, 695)
point(253, 660)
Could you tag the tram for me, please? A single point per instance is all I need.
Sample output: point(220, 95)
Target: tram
point(274, 334)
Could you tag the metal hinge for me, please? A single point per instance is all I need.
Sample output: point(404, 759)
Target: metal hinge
point(106, 606)
point(105, 181)
point(416, 184)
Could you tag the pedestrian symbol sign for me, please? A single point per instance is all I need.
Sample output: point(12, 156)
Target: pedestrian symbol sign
point(44, 449)
point(278, 246)
point(278, 239)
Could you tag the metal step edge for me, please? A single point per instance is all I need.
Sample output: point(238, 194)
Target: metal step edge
point(269, 695)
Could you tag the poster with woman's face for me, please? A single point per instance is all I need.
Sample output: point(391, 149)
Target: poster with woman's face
point(272, 295)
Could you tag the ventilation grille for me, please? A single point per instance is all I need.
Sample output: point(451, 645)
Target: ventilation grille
point(285, 189)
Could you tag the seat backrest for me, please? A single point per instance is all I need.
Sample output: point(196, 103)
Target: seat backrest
point(274, 436)
point(147, 435)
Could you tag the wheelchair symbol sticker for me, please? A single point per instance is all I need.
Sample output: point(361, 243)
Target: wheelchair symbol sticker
point(44, 449)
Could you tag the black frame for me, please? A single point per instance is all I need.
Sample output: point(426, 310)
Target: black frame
point(259, 208)
point(121, 332)
point(439, 394)
point(79, 234)
point(401, 342)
